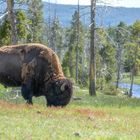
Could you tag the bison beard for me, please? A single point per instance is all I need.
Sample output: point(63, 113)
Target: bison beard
point(37, 70)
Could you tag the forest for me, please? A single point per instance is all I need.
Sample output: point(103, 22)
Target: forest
point(95, 58)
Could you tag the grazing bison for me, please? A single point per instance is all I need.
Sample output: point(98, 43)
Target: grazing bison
point(36, 68)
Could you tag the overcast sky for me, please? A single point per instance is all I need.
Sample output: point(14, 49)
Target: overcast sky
point(123, 3)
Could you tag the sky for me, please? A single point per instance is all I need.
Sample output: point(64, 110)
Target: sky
point(122, 3)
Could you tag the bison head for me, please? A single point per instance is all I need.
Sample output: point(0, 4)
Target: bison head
point(59, 92)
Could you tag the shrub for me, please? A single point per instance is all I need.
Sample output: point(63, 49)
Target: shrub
point(111, 90)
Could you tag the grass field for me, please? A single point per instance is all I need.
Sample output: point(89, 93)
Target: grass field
point(91, 118)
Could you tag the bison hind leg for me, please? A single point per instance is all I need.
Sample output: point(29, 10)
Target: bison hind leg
point(26, 93)
point(48, 103)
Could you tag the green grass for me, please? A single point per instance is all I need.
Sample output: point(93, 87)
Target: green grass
point(91, 118)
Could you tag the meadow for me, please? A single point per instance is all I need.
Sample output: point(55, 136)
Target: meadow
point(103, 117)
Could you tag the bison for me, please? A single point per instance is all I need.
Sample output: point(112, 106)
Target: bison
point(37, 70)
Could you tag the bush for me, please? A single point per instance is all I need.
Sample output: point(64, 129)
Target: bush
point(111, 90)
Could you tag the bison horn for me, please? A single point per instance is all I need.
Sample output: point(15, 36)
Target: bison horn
point(63, 87)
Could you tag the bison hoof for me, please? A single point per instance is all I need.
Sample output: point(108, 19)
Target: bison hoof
point(49, 105)
point(29, 102)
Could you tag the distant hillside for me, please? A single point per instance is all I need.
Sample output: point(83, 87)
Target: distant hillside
point(106, 16)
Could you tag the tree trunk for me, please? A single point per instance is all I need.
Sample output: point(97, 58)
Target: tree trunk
point(119, 61)
point(92, 72)
point(11, 16)
point(132, 82)
point(77, 46)
point(77, 63)
point(133, 72)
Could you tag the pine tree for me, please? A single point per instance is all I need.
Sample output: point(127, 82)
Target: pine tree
point(134, 52)
point(20, 26)
point(56, 37)
point(14, 28)
point(105, 59)
point(72, 46)
point(35, 15)
point(120, 39)
point(5, 38)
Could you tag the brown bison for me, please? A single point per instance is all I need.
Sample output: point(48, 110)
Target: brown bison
point(36, 68)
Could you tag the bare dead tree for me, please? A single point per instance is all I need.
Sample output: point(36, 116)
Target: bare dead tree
point(49, 23)
point(119, 58)
point(77, 46)
point(11, 16)
point(92, 72)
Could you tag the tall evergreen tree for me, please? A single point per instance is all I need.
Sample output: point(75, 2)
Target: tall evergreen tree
point(35, 14)
point(105, 59)
point(56, 37)
point(135, 37)
point(120, 38)
point(14, 26)
point(20, 26)
point(72, 46)
point(5, 38)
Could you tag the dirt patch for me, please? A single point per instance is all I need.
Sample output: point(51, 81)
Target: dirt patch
point(7, 105)
point(89, 112)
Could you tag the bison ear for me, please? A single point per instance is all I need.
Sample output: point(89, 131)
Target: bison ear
point(63, 86)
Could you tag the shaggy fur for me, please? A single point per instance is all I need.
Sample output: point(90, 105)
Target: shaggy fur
point(36, 68)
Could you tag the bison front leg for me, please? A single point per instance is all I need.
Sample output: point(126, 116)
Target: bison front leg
point(49, 104)
point(27, 93)
point(27, 74)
